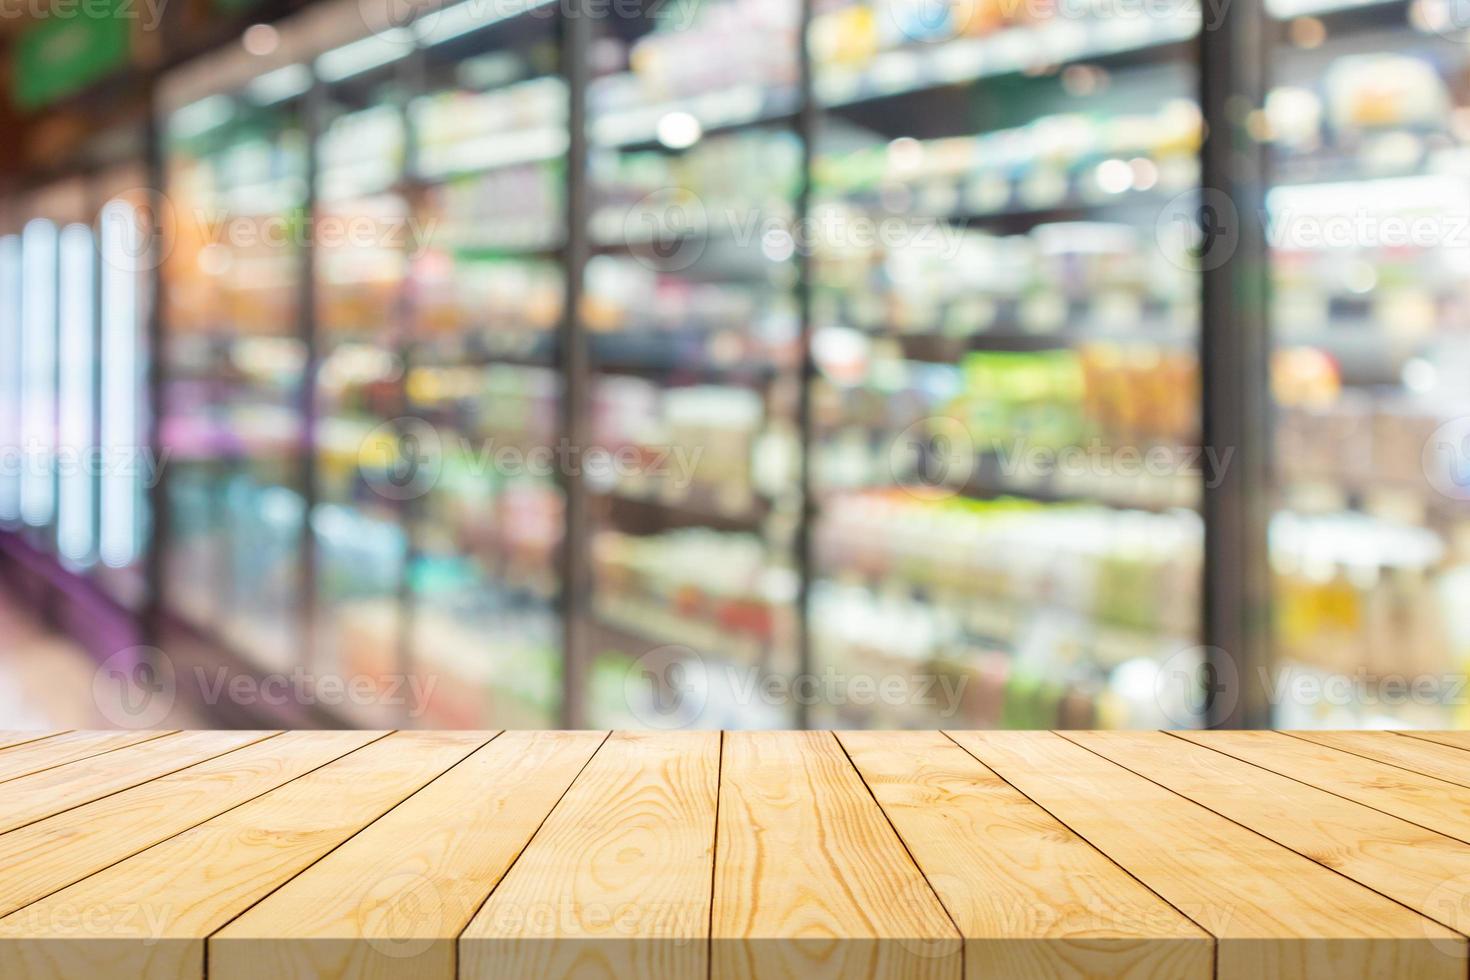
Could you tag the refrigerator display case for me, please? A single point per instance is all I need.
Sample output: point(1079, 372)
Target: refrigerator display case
point(1005, 426)
point(692, 315)
point(1368, 128)
point(360, 260)
point(490, 139)
point(235, 357)
point(49, 492)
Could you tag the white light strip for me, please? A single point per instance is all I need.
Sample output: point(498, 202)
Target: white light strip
point(10, 462)
point(365, 55)
point(200, 117)
point(123, 262)
point(279, 85)
point(76, 316)
point(462, 18)
point(38, 372)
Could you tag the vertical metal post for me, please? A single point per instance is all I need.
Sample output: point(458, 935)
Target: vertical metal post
point(576, 372)
point(311, 124)
point(155, 543)
point(807, 122)
point(413, 75)
point(1234, 359)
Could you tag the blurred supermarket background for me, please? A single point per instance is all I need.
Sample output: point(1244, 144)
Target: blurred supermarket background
point(742, 363)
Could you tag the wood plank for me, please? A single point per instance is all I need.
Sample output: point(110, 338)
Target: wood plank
point(1031, 898)
point(1273, 912)
point(1420, 799)
point(10, 739)
point(47, 856)
point(36, 756)
point(1428, 872)
point(617, 882)
point(1455, 740)
point(810, 880)
point(149, 915)
point(1426, 758)
point(49, 792)
point(390, 902)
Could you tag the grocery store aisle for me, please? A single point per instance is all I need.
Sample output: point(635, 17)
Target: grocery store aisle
point(46, 679)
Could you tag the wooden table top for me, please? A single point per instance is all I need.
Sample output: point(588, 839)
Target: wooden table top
point(239, 855)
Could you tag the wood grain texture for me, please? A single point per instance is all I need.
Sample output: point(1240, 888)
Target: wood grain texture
point(1455, 740)
point(617, 883)
point(61, 850)
point(148, 916)
point(810, 879)
point(1032, 899)
point(1429, 802)
point(1426, 871)
point(1424, 757)
point(1273, 912)
point(51, 791)
point(390, 902)
point(38, 755)
point(10, 739)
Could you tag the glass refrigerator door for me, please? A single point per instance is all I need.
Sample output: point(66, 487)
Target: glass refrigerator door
point(130, 467)
point(38, 293)
point(489, 171)
point(691, 306)
point(12, 465)
point(363, 461)
point(1005, 332)
point(235, 361)
point(1369, 130)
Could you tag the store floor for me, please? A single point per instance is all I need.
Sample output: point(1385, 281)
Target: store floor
point(46, 679)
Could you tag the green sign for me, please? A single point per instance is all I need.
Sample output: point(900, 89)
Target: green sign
point(77, 44)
